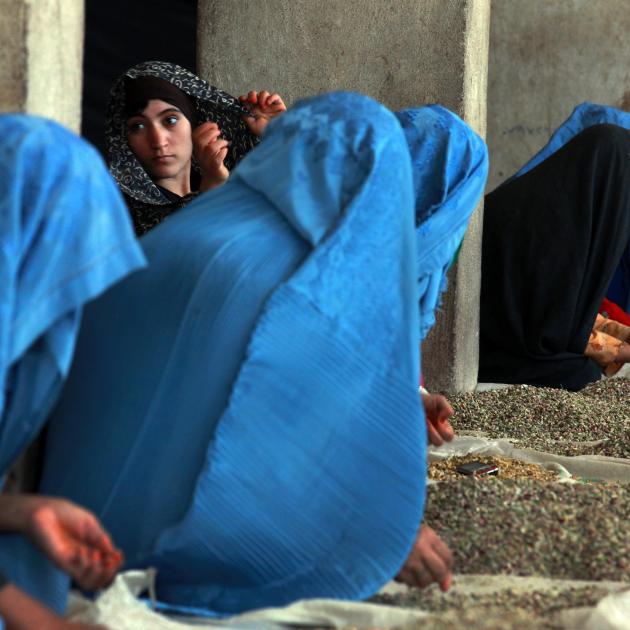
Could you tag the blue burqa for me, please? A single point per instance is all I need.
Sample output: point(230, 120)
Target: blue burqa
point(450, 166)
point(254, 426)
point(584, 116)
point(65, 237)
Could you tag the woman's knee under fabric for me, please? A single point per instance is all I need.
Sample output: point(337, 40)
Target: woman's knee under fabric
point(27, 568)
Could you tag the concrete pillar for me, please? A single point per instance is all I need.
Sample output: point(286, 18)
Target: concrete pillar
point(401, 52)
point(41, 58)
point(546, 58)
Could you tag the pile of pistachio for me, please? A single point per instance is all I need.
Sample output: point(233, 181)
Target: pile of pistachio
point(595, 420)
point(524, 527)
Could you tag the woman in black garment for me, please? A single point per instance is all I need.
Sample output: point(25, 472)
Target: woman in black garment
point(552, 239)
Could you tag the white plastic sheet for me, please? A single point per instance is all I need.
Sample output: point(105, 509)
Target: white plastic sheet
point(119, 608)
point(611, 613)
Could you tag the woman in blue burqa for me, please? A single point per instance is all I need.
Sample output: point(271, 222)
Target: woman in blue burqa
point(247, 406)
point(64, 239)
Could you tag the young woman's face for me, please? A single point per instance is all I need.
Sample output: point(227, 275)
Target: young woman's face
point(161, 139)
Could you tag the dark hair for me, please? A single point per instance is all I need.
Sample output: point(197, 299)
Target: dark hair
point(138, 92)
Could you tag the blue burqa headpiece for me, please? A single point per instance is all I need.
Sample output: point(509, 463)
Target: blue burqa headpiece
point(450, 167)
point(65, 237)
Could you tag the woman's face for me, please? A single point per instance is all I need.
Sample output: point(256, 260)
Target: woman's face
point(161, 139)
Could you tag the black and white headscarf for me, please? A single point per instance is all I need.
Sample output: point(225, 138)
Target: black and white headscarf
point(210, 103)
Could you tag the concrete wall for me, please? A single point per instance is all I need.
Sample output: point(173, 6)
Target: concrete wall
point(545, 58)
point(401, 52)
point(41, 58)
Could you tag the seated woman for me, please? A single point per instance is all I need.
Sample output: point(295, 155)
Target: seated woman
point(65, 237)
point(553, 238)
point(255, 431)
point(170, 135)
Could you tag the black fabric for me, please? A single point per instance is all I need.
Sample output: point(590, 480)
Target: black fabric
point(552, 239)
point(169, 194)
point(145, 216)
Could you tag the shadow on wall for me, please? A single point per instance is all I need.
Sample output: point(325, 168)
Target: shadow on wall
point(122, 33)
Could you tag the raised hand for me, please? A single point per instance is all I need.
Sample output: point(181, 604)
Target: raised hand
point(264, 106)
point(210, 149)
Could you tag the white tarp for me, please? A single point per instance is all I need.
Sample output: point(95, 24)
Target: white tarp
point(119, 608)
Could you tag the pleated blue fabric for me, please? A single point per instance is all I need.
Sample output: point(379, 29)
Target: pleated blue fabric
point(65, 237)
point(255, 431)
point(584, 116)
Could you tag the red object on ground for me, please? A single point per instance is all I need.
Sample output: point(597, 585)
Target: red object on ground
point(613, 311)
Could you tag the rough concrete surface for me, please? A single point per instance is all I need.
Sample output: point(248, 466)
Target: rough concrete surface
point(401, 52)
point(12, 55)
point(41, 58)
point(545, 58)
point(451, 350)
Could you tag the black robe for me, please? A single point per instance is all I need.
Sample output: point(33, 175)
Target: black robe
point(552, 239)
